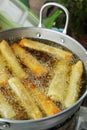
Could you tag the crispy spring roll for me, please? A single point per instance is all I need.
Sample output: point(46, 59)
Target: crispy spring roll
point(74, 85)
point(4, 74)
point(11, 59)
point(59, 53)
point(10, 96)
point(6, 109)
point(58, 84)
point(45, 103)
point(25, 98)
point(30, 61)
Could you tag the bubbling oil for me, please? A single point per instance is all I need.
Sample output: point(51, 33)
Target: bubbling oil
point(48, 60)
point(42, 82)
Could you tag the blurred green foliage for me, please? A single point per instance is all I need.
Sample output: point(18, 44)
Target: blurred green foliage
point(78, 15)
point(48, 22)
point(25, 2)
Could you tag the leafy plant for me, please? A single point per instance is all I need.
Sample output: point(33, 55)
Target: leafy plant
point(48, 22)
point(78, 15)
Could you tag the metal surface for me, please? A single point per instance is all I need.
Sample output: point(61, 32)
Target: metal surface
point(59, 38)
point(4, 125)
point(82, 120)
point(65, 40)
point(59, 6)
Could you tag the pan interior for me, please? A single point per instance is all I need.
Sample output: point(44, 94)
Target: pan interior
point(52, 60)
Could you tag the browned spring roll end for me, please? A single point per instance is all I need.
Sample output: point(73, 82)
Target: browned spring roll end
point(46, 104)
point(57, 52)
point(29, 60)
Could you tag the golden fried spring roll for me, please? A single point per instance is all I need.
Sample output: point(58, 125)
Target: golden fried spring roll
point(6, 110)
point(30, 61)
point(74, 85)
point(45, 103)
point(4, 74)
point(59, 83)
point(59, 53)
point(13, 64)
point(24, 97)
point(10, 96)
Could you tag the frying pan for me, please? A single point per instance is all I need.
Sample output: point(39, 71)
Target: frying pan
point(59, 38)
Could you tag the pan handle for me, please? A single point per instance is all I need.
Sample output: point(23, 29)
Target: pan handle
point(60, 6)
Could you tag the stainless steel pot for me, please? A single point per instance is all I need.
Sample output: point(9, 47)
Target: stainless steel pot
point(62, 39)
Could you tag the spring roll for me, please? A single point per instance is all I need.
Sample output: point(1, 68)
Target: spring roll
point(30, 61)
point(58, 84)
point(25, 98)
point(59, 53)
point(11, 59)
point(44, 103)
point(74, 84)
point(20, 111)
point(6, 110)
point(4, 74)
